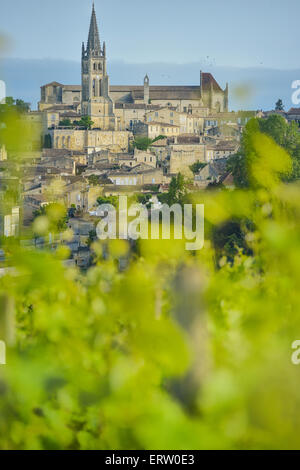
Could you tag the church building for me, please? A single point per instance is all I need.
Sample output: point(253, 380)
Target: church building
point(106, 105)
point(95, 100)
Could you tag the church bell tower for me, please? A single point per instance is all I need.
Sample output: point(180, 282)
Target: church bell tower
point(96, 102)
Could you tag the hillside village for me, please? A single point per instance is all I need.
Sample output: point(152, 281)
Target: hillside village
point(100, 141)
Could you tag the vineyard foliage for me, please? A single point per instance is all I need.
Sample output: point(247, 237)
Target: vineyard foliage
point(179, 350)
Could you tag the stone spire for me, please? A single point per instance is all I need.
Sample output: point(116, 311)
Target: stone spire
point(93, 45)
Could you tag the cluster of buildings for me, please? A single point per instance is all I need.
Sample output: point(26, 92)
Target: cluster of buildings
point(95, 123)
point(103, 140)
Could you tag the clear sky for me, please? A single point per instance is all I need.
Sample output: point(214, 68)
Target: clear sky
point(257, 33)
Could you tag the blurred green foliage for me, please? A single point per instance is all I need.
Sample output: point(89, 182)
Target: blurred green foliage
point(284, 134)
point(178, 351)
point(50, 218)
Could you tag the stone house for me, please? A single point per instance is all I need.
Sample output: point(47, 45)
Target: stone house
point(220, 150)
point(139, 175)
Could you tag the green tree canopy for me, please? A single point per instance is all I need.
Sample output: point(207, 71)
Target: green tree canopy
point(65, 122)
point(142, 143)
point(284, 134)
point(279, 105)
point(195, 167)
point(86, 122)
point(113, 200)
point(19, 105)
point(56, 215)
point(177, 193)
point(47, 141)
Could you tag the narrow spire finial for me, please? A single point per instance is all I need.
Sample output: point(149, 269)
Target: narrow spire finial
point(94, 39)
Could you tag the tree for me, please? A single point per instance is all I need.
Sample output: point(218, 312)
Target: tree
point(93, 180)
point(159, 137)
point(236, 164)
point(19, 105)
point(279, 105)
point(195, 167)
point(92, 237)
point(113, 200)
point(177, 193)
point(47, 141)
point(10, 101)
point(86, 122)
point(144, 199)
point(56, 215)
point(142, 143)
point(65, 122)
point(284, 134)
point(22, 106)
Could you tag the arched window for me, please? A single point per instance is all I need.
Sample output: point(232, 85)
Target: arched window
point(69, 142)
point(94, 87)
point(100, 87)
point(63, 142)
point(57, 142)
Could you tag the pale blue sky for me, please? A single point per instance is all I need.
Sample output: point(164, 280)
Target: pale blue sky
point(257, 33)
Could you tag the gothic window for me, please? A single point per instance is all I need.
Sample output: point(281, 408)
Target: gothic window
point(69, 142)
point(94, 87)
point(57, 142)
point(63, 142)
point(100, 87)
point(95, 66)
point(99, 66)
